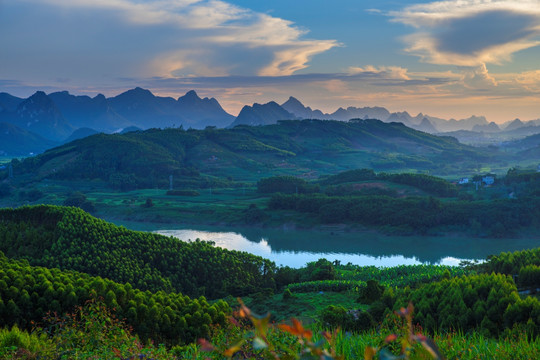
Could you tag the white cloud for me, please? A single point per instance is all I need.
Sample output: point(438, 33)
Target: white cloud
point(387, 72)
point(529, 80)
point(202, 32)
point(471, 32)
point(477, 78)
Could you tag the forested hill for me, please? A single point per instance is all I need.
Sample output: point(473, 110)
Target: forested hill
point(70, 239)
point(29, 293)
point(147, 158)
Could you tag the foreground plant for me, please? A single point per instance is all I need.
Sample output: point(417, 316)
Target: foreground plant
point(407, 339)
point(268, 341)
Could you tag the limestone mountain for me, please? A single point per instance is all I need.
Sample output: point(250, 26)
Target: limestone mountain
point(199, 113)
point(491, 127)
point(514, 124)
point(425, 126)
point(295, 107)
point(9, 102)
point(145, 110)
point(40, 115)
point(262, 114)
point(352, 112)
point(84, 111)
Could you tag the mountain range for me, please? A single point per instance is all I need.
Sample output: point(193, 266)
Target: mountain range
point(55, 117)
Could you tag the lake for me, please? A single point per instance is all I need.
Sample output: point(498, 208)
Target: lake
point(295, 248)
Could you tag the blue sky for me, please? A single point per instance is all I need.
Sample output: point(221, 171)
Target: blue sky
point(445, 58)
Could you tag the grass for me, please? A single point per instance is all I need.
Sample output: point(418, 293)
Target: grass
point(304, 306)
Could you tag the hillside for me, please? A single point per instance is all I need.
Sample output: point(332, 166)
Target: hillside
point(69, 239)
point(244, 153)
point(15, 141)
point(31, 294)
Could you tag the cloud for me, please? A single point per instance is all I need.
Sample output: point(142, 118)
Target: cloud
point(477, 78)
point(388, 72)
point(529, 80)
point(198, 36)
point(471, 32)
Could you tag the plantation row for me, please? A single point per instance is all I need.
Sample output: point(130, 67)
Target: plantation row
point(28, 294)
point(512, 262)
point(326, 285)
point(486, 303)
point(69, 238)
point(399, 276)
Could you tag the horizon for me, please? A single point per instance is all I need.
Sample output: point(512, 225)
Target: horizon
point(176, 96)
point(443, 58)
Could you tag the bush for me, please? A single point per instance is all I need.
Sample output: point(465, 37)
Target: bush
point(253, 214)
point(287, 294)
point(349, 320)
point(79, 200)
point(371, 293)
point(148, 204)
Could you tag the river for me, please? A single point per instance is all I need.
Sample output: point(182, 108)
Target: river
point(295, 248)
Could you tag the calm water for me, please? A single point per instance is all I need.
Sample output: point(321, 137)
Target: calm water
point(297, 247)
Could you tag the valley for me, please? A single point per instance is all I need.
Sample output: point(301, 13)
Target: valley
point(337, 223)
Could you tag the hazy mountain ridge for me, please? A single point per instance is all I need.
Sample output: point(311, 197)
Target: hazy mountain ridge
point(262, 114)
point(40, 115)
point(84, 111)
point(57, 115)
point(145, 110)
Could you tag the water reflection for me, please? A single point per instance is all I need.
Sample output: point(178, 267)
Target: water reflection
point(296, 248)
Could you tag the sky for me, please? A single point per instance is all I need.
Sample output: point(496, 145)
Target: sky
point(450, 59)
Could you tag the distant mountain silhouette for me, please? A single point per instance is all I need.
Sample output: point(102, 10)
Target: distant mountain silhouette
point(84, 111)
point(199, 113)
point(425, 126)
point(463, 124)
point(513, 125)
point(40, 115)
point(9, 102)
point(57, 115)
point(262, 114)
point(145, 110)
point(15, 141)
point(295, 107)
point(491, 127)
point(402, 117)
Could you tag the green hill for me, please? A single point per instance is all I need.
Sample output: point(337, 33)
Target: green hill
point(68, 238)
point(203, 158)
point(28, 293)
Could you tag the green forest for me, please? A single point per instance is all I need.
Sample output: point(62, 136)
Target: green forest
point(142, 286)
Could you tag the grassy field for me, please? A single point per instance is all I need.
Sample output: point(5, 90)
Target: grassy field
point(303, 306)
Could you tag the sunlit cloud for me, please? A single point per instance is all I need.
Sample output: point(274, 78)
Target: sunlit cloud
point(204, 37)
point(529, 80)
point(388, 72)
point(470, 32)
point(477, 77)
